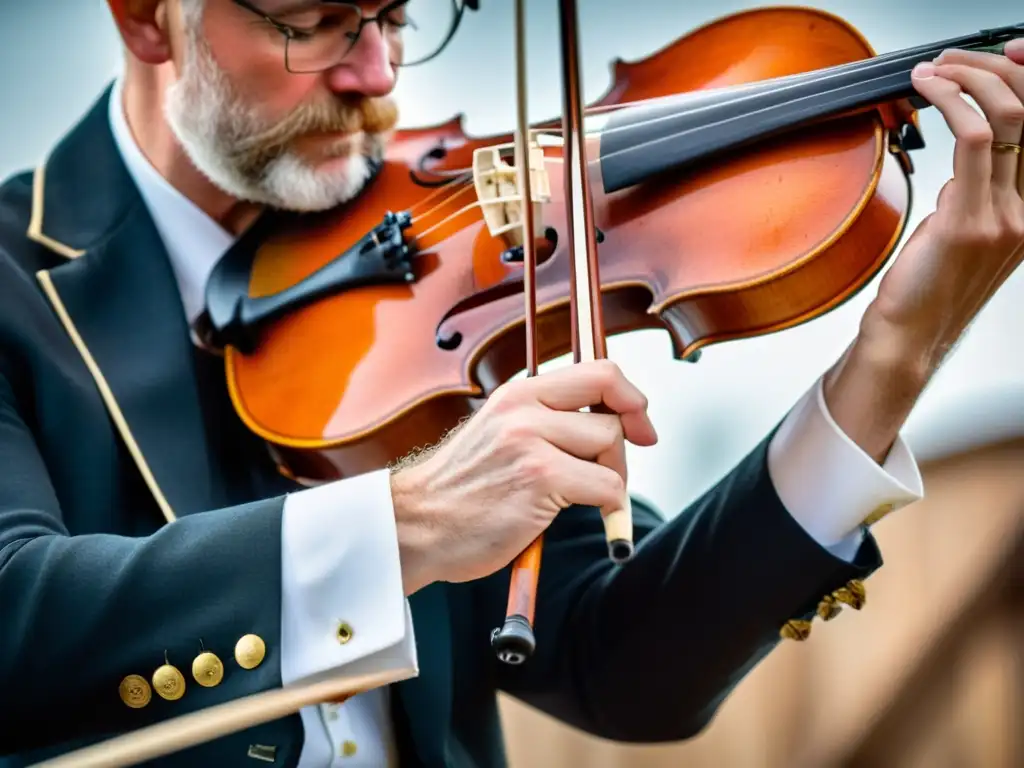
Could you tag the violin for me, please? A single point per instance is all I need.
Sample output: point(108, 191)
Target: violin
point(749, 177)
point(746, 178)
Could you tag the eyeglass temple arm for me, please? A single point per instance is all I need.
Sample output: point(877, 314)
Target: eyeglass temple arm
point(473, 5)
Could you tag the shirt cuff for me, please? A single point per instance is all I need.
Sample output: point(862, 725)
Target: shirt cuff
point(343, 603)
point(829, 484)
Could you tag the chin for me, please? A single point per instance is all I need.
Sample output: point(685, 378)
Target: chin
point(339, 157)
point(297, 185)
point(324, 147)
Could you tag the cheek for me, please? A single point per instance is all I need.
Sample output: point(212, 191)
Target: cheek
point(254, 65)
point(268, 85)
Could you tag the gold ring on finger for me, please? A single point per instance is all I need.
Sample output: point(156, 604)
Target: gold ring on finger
point(1005, 146)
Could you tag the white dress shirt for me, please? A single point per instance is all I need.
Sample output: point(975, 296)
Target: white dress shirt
point(823, 478)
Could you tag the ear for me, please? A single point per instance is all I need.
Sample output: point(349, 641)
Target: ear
point(144, 29)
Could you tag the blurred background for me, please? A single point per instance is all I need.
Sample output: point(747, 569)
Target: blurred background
point(929, 672)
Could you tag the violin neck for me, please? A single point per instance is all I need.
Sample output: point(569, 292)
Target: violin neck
point(639, 143)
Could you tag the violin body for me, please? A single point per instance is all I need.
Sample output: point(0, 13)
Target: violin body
point(764, 237)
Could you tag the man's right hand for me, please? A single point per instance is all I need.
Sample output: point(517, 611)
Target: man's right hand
point(497, 483)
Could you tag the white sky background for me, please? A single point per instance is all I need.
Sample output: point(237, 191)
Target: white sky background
point(710, 414)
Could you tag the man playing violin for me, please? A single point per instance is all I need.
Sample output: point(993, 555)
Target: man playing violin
point(155, 562)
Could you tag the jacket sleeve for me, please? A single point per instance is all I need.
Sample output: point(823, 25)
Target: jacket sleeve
point(648, 651)
point(82, 614)
point(89, 619)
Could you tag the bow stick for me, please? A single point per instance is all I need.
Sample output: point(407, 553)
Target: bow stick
point(514, 641)
point(210, 723)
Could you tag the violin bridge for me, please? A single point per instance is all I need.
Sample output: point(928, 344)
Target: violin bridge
point(497, 190)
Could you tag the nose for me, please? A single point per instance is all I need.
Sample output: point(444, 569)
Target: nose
point(367, 68)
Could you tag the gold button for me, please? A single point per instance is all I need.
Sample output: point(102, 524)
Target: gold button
point(135, 691)
point(169, 683)
point(344, 633)
point(207, 669)
point(879, 512)
point(249, 651)
point(829, 608)
point(348, 748)
point(796, 629)
point(853, 594)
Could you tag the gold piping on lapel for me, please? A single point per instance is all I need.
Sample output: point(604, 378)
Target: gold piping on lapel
point(35, 222)
point(108, 397)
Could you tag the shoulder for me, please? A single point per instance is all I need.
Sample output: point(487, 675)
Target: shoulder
point(21, 255)
point(16, 198)
point(23, 312)
point(15, 211)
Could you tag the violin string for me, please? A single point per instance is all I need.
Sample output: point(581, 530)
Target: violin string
point(461, 178)
point(863, 66)
point(703, 127)
point(465, 209)
point(772, 87)
point(908, 57)
point(457, 177)
point(463, 187)
point(771, 84)
point(797, 78)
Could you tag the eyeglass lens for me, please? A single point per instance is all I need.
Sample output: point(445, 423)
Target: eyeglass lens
point(324, 33)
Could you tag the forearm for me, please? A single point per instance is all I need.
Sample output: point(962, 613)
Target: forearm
point(873, 388)
point(716, 588)
point(85, 613)
point(710, 593)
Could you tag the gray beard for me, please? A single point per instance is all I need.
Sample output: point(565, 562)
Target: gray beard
point(215, 127)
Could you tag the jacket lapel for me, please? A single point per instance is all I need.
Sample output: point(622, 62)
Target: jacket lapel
point(117, 298)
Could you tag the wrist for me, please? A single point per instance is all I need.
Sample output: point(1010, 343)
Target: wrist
point(873, 388)
point(416, 545)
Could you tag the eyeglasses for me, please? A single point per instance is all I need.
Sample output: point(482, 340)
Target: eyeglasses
point(319, 34)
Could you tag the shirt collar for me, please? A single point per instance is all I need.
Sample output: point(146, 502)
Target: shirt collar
point(194, 240)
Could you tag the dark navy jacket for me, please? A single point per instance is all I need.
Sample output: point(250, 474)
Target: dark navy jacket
point(112, 424)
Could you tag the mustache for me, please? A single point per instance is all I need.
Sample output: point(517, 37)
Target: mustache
point(373, 115)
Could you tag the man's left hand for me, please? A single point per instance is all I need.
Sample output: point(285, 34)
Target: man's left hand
point(962, 253)
point(956, 259)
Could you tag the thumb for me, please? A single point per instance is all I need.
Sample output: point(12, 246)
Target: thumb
point(1014, 50)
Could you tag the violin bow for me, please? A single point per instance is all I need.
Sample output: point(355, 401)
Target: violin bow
point(211, 723)
point(514, 642)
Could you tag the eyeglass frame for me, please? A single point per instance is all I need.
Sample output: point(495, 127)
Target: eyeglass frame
point(288, 32)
